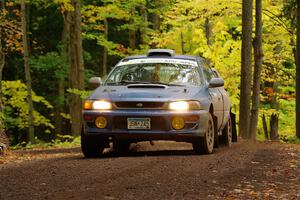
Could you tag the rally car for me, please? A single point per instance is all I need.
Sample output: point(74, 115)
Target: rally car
point(157, 96)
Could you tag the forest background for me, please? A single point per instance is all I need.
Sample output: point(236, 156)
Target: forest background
point(113, 29)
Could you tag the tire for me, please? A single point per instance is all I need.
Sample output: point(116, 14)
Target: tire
point(227, 133)
point(121, 146)
point(205, 145)
point(91, 146)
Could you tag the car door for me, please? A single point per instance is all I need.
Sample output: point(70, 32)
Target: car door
point(226, 100)
point(216, 97)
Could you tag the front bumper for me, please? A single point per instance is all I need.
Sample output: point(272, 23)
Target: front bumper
point(161, 124)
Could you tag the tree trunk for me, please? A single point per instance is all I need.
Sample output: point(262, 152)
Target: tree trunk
point(182, 43)
point(274, 126)
point(76, 68)
point(132, 31)
point(144, 27)
point(3, 138)
point(2, 63)
point(246, 69)
point(59, 108)
point(156, 22)
point(258, 56)
point(265, 127)
point(132, 37)
point(156, 17)
point(298, 72)
point(60, 102)
point(66, 35)
point(27, 72)
point(104, 69)
point(4, 143)
point(208, 35)
point(208, 31)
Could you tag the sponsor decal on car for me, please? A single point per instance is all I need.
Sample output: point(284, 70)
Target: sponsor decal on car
point(159, 60)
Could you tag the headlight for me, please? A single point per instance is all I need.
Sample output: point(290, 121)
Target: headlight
point(101, 105)
point(184, 105)
point(179, 105)
point(97, 105)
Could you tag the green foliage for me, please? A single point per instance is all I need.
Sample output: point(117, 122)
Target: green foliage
point(83, 94)
point(184, 24)
point(16, 107)
point(93, 28)
point(291, 139)
point(287, 118)
point(50, 62)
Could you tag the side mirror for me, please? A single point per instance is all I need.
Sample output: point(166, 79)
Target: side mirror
point(216, 82)
point(95, 82)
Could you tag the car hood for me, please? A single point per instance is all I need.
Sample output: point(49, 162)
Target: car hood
point(154, 94)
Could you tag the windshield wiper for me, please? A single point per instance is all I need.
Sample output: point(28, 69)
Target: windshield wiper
point(124, 82)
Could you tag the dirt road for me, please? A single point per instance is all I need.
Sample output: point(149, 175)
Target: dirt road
point(163, 171)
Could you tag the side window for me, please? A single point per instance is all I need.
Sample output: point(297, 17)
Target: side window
point(209, 74)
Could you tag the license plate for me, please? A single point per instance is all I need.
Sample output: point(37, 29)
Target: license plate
point(139, 123)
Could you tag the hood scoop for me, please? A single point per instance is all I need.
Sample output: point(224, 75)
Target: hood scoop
point(158, 86)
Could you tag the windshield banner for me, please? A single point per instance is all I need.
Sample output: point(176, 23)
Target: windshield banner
point(158, 60)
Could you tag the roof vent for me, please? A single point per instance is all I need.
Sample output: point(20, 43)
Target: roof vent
point(161, 53)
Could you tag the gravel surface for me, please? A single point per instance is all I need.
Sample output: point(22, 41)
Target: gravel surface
point(167, 170)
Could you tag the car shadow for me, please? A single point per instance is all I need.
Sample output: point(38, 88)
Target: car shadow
point(113, 154)
point(152, 153)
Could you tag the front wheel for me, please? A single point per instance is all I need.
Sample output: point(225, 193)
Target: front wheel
point(91, 146)
point(205, 145)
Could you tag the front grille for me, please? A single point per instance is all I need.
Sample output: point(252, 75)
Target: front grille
point(157, 123)
point(140, 105)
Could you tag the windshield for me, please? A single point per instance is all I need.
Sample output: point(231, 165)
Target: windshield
point(156, 73)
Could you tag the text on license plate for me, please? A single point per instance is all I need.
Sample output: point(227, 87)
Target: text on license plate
point(138, 123)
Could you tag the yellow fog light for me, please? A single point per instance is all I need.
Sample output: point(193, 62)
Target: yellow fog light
point(178, 123)
point(101, 122)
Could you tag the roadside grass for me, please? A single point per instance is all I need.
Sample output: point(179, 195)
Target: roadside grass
point(290, 139)
point(62, 141)
point(286, 139)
